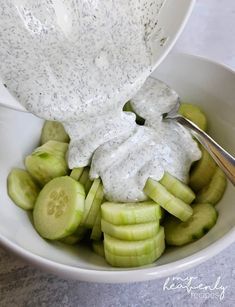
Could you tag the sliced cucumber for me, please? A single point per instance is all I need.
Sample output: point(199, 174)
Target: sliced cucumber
point(70, 240)
point(88, 185)
point(179, 233)
point(76, 173)
point(84, 176)
point(95, 208)
point(202, 171)
point(214, 191)
point(133, 248)
point(137, 260)
point(133, 232)
point(47, 162)
point(22, 189)
point(130, 213)
point(89, 199)
point(59, 208)
point(128, 108)
point(166, 200)
point(177, 188)
point(53, 130)
point(77, 236)
point(96, 233)
point(53, 147)
point(133, 261)
point(98, 248)
point(195, 114)
point(85, 180)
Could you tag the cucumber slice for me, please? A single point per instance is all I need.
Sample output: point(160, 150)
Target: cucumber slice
point(47, 162)
point(53, 130)
point(22, 189)
point(96, 233)
point(89, 199)
point(179, 233)
point(70, 240)
point(53, 147)
point(195, 114)
point(163, 216)
point(76, 173)
point(214, 191)
point(202, 171)
point(137, 260)
point(128, 108)
point(85, 180)
point(77, 236)
point(88, 185)
point(177, 188)
point(95, 207)
point(166, 200)
point(98, 248)
point(84, 176)
point(59, 208)
point(133, 232)
point(133, 261)
point(133, 248)
point(130, 213)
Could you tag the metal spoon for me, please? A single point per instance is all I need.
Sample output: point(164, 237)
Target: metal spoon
point(225, 161)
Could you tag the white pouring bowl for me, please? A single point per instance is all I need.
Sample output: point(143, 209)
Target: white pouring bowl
point(197, 80)
point(172, 19)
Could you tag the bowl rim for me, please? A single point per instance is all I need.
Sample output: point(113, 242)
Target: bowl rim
point(128, 275)
point(177, 34)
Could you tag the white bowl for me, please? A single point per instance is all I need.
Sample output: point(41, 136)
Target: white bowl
point(172, 19)
point(198, 81)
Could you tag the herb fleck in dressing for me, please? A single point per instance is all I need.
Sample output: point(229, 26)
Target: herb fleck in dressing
point(78, 62)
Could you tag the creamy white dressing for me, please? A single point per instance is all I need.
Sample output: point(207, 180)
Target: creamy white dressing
point(158, 146)
point(78, 62)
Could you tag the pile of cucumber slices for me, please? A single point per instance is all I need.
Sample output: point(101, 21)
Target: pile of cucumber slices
point(69, 207)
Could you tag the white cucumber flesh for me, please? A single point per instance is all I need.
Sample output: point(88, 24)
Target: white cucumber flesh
point(59, 208)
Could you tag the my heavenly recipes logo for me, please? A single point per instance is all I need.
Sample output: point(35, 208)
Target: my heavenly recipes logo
point(195, 288)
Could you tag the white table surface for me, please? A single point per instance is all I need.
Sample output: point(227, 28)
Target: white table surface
point(210, 33)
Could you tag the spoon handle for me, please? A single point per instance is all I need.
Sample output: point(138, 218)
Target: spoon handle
point(225, 161)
